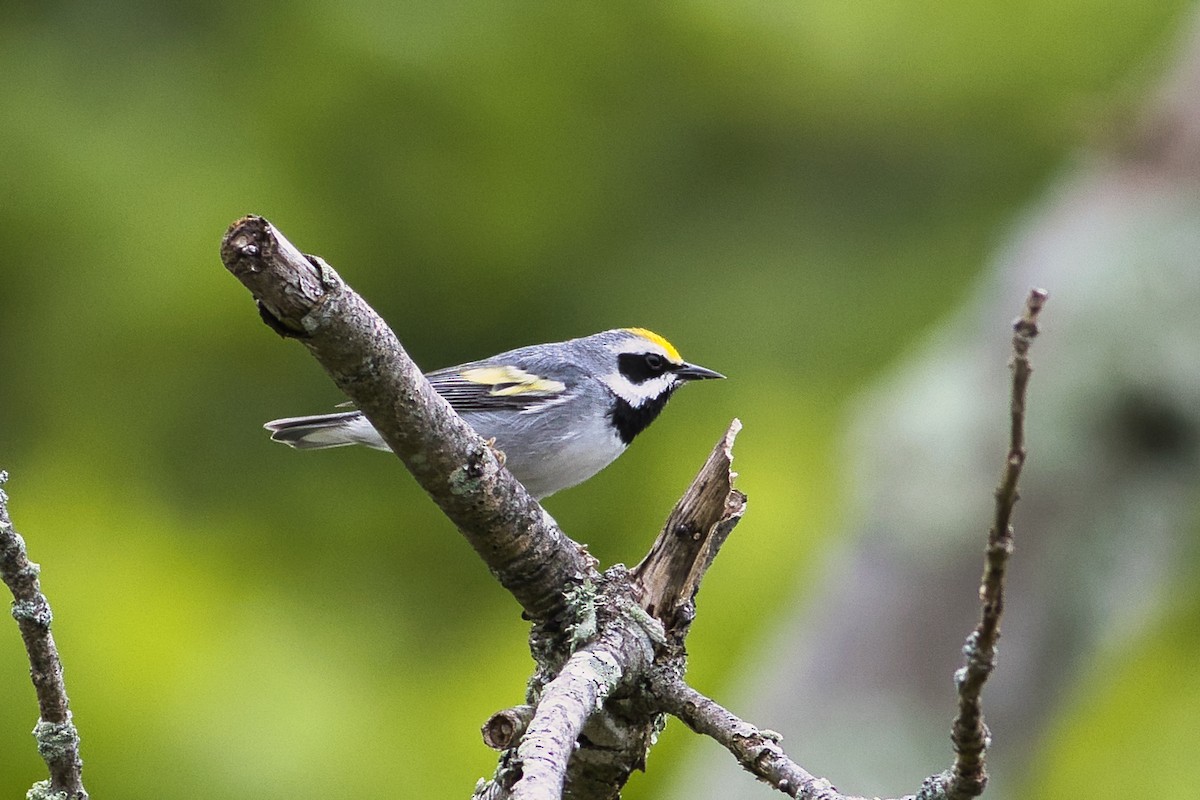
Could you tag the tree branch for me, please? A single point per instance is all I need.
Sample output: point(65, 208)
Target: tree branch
point(970, 734)
point(609, 722)
point(506, 727)
point(668, 578)
point(756, 750)
point(608, 647)
point(567, 703)
point(587, 731)
point(57, 738)
point(302, 297)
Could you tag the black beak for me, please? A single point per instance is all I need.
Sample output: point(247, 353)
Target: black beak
point(691, 372)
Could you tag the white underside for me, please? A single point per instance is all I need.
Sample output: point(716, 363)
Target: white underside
point(547, 465)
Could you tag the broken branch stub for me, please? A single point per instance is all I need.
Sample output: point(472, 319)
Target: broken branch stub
point(667, 579)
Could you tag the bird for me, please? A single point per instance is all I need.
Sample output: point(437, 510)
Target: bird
point(559, 411)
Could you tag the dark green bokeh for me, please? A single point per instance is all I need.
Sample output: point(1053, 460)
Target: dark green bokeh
point(791, 192)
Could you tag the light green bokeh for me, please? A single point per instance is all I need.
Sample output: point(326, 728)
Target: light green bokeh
point(791, 192)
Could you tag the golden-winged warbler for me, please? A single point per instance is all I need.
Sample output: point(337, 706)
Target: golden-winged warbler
point(560, 412)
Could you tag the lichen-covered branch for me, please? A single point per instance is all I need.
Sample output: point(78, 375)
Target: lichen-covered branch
point(566, 704)
point(592, 722)
point(587, 728)
point(302, 297)
point(57, 739)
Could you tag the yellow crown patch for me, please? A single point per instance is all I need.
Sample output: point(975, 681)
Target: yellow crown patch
point(672, 353)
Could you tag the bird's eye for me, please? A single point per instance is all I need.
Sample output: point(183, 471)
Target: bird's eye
point(641, 367)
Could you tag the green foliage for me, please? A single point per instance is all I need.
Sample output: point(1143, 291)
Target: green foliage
point(1143, 705)
point(791, 192)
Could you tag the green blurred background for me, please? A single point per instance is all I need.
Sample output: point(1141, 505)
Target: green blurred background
point(791, 192)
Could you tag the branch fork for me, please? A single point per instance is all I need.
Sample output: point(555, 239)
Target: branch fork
point(609, 647)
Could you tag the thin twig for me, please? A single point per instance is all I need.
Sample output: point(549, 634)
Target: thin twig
point(757, 750)
point(57, 739)
point(760, 752)
point(969, 734)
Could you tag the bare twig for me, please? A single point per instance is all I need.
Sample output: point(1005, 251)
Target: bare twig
point(302, 297)
point(759, 751)
point(970, 734)
point(57, 739)
point(756, 750)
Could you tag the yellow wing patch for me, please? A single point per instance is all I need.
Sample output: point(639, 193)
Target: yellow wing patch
point(509, 381)
point(672, 353)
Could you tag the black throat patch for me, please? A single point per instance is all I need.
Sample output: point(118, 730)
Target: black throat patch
point(630, 420)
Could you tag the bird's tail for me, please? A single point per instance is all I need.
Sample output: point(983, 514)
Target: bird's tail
point(325, 430)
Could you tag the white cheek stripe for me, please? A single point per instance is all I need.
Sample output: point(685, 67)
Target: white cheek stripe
point(638, 393)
